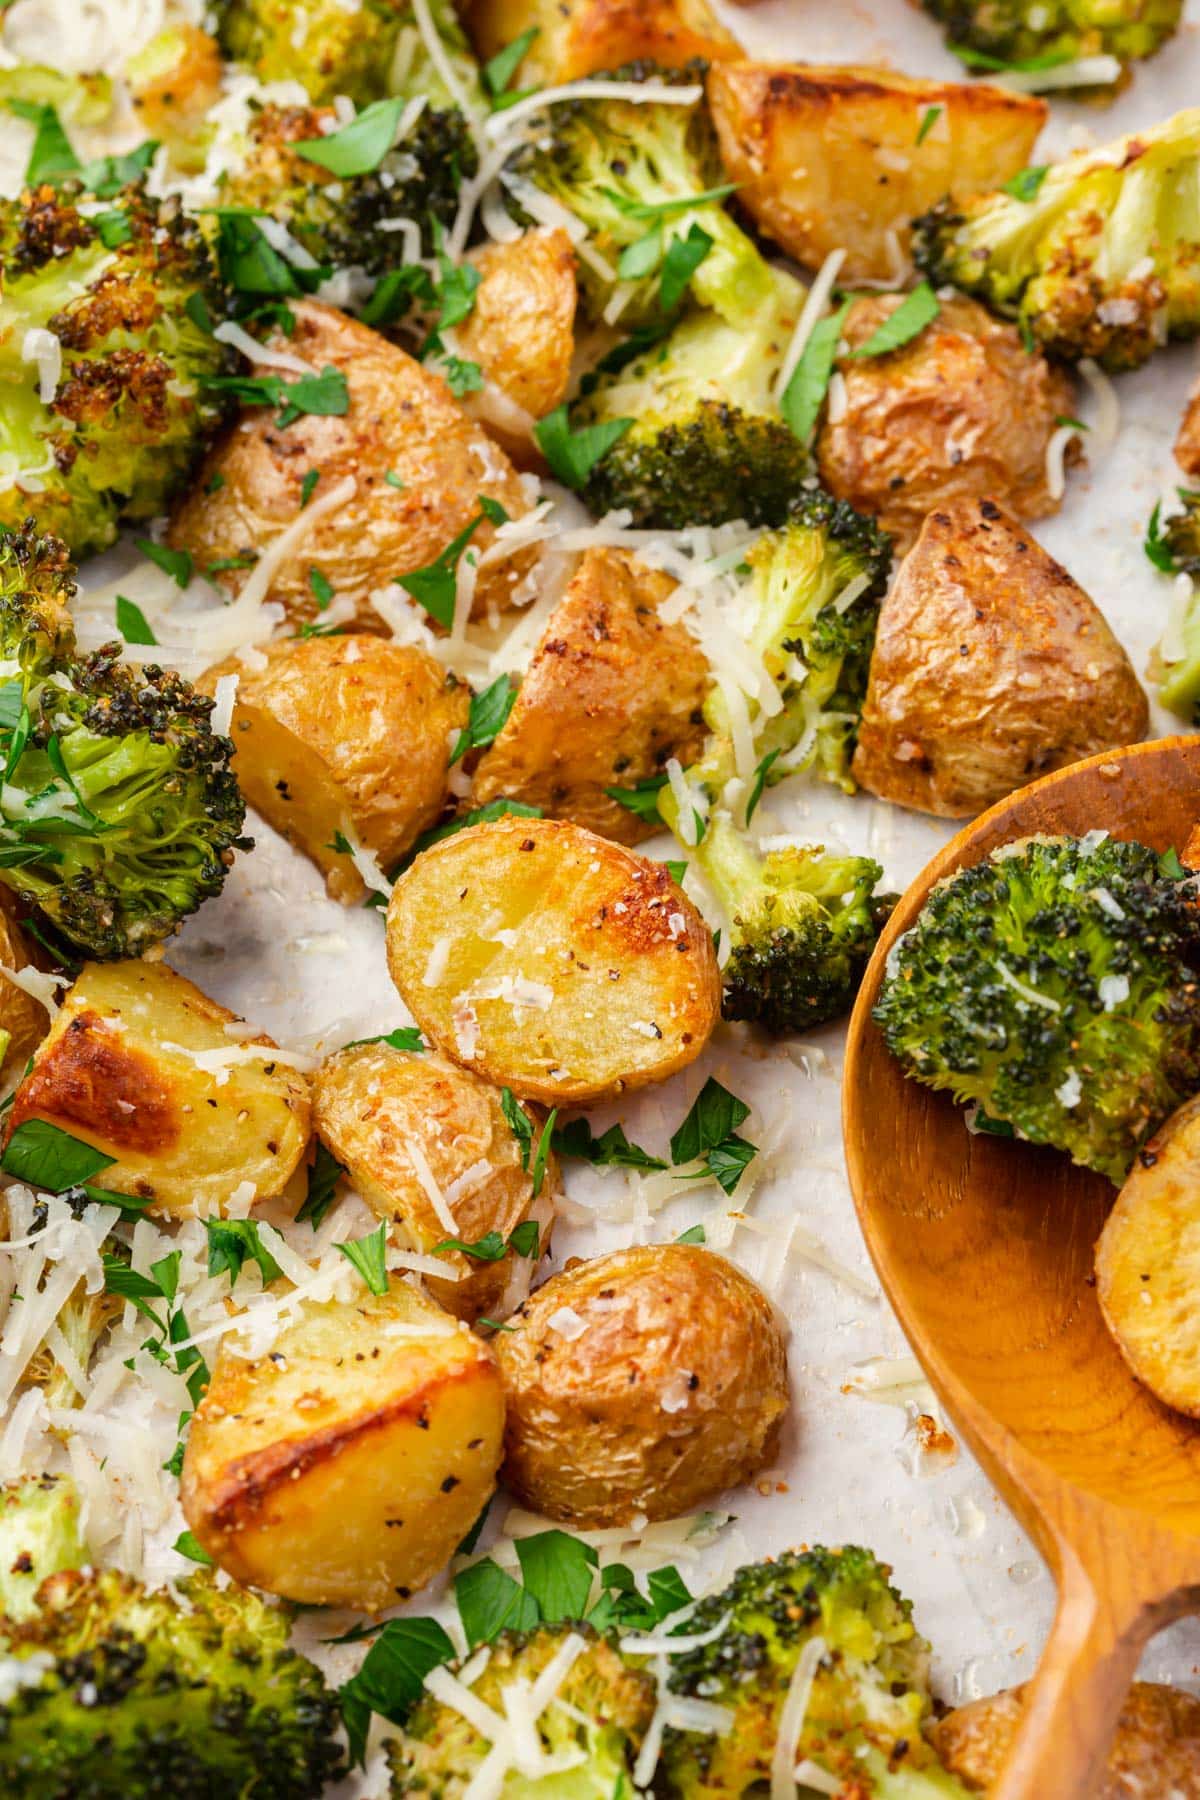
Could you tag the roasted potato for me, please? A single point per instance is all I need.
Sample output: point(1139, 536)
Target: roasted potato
point(1155, 1756)
point(638, 1383)
point(174, 83)
point(345, 1467)
point(1148, 1263)
point(1187, 444)
point(962, 409)
point(828, 158)
point(24, 1021)
point(373, 1105)
point(140, 1064)
point(552, 961)
point(991, 667)
point(402, 421)
point(585, 37)
point(349, 735)
point(611, 693)
point(521, 332)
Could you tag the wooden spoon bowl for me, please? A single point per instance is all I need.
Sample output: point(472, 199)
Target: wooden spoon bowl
point(984, 1246)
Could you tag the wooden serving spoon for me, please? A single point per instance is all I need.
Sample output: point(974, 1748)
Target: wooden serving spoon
point(984, 1246)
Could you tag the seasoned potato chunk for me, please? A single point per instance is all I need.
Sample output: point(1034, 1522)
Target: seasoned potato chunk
point(140, 1064)
point(583, 37)
point(552, 961)
point(408, 1127)
point(828, 159)
point(963, 409)
point(344, 1468)
point(1155, 1755)
point(174, 82)
point(402, 422)
point(349, 735)
point(1148, 1263)
point(611, 693)
point(640, 1382)
point(991, 667)
point(521, 332)
point(24, 1021)
point(1187, 444)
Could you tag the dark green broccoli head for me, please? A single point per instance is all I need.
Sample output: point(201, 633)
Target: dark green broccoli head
point(106, 295)
point(1057, 31)
point(131, 1696)
point(1051, 985)
point(838, 1611)
point(37, 585)
point(39, 1536)
point(588, 1757)
point(1101, 259)
point(366, 51)
point(1181, 533)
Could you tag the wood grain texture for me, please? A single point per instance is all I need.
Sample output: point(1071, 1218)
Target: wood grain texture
point(985, 1249)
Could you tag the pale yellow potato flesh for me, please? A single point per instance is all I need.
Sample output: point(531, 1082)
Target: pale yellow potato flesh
point(24, 1021)
point(345, 1467)
point(521, 332)
point(586, 37)
point(551, 961)
point(1187, 444)
point(118, 1070)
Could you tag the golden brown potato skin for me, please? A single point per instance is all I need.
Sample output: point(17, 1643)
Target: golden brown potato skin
point(344, 1468)
point(340, 731)
point(521, 330)
point(583, 37)
point(963, 409)
point(371, 1101)
point(827, 158)
point(551, 961)
point(611, 693)
point(24, 1019)
point(676, 1386)
point(1146, 1270)
point(402, 420)
point(174, 91)
point(1187, 444)
point(1155, 1756)
point(115, 1072)
point(991, 667)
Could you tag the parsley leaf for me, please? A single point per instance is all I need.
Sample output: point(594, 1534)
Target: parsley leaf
point(44, 1156)
point(478, 815)
point(394, 293)
point(714, 1116)
point(322, 1185)
point(359, 146)
point(322, 588)
point(557, 1570)
point(518, 1123)
point(641, 799)
point(189, 1545)
point(665, 209)
point(392, 1677)
point(490, 1601)
point(682, 260)
point(436, 585)
point(525, 1239)
point(759, 783)
point(611, 1147)
point(308, 485)
point(233, 1242)
point(368, 1254)
point(676, 870)
point(695, 1234)
point(132, 623)
point(489, 1248)
point(405, 1037)
point(1156, 546)
point(107, 175)
point(802, 398)
point(499, 70)
point(538, 1171)
point(572, 455)
point(488, 715)
point(51, 156)
point(175, 563)
point(325, 395)
point(929, 119)
point(461, 377)
point(914, 313)
point(641, 257)
point(113, 228)
point(1026, 183)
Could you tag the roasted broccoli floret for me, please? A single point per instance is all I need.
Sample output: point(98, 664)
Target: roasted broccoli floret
point(126, 1693)
point(1052, 987)
point(636, 175)
point(587, 1742)
point(837, 1611)
point(102, 359)
point(1175, 663)
point(39, 1536)
point(37, 585)
point(336, 217)
point(1181, 533)
point(77, 99)
point(707, 442)
point(119, 809)
point(1057, 31)
point(1100, 254)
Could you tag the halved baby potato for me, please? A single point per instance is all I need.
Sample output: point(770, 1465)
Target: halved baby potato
point(585, 37)
point(845, 158)
point(552, 961)
point(400, 1123)
point(1187, 444)
point(24, 1021)
point(640, 1382)
point(139, 1063)
point(521, 332)
point(346, 735)
point(1148, 1263)
point(344, 1468)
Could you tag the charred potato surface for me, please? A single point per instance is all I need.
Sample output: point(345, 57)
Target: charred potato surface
point(124, 1068)
point(991, 667)
point(1187, 444)
point(344, 1468)
point(640, 1382)
point(380, 1109)
point(611, 693)
point(586, 37)
point(521, 330)
point(961, 410)
point(347, 734)
point(403, 421)
point(551, 961)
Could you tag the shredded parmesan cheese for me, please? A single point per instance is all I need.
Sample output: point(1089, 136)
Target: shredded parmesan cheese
point(791, 1719)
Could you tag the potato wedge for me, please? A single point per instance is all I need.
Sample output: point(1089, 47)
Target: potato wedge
point(1187, 444)
point(1155, 1755)
point(552, 961)
point(346, 734)
point(402, 421)
point(611, 693)
point(828, 158)
point(374, 1106)
point(1148, 1263)
point(346, 1467)
point(962, 409)
point(24, 1021)
point(521, 332)
point(991, 667)
point(583, 37)
point(139, 1063)
point(638, 1383)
